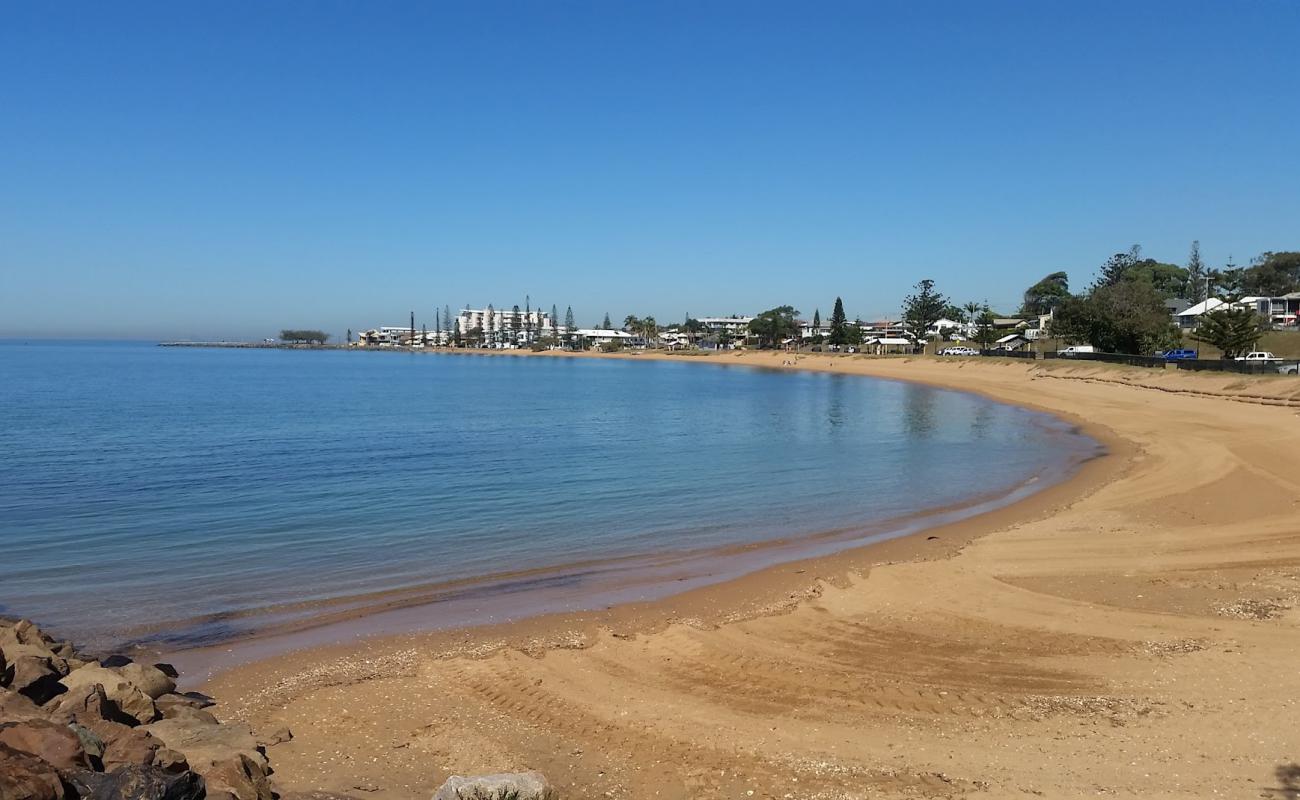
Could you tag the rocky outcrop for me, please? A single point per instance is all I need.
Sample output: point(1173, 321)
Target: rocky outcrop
point(76, 728)
point(506, 786)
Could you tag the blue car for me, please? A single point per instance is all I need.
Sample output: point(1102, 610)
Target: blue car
point(1177, 355)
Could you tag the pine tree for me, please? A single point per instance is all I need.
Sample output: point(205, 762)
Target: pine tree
point(923, 309)
point(1118, 265)
point(569, 324)
point(607, 325)
point(555, 319)
point(839, 324)
point(447, 318)
point(1196, 274)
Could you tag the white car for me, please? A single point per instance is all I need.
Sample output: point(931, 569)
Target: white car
point(959, 351)
point(1260, 357)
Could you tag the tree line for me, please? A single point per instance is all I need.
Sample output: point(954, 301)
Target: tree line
point(303, 336)
point(1126, 309)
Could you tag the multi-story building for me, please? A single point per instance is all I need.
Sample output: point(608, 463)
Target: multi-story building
point(504, 327)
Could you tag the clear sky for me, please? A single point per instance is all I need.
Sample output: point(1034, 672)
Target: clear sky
point(229, 169)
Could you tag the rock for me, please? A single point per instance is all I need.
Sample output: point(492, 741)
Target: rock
point(205, 743)
point(506, 786)
point(87, 705)
point(16, 707)
point(150, 680)
point(90, 742)
point(278, 736)
point(168, 670)
point(35, 677)
point(25, 777)
point(240, 776)
point(23, 632)
point(129, 747)
point(52, 743)
point(113, 662)
point(137, 783)
point(123, 694)
point(169, 760)
point(13, 651)
point(199, 697)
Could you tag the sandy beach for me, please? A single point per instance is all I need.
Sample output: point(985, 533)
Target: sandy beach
point(1129, 632)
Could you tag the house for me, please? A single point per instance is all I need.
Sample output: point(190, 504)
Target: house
point(807, 330)
point(1281, 312)
point(882, 328)
point(1188, 317)
point(1009, 323)
point(944, 329)
point(588, 338)
point(1177, 305)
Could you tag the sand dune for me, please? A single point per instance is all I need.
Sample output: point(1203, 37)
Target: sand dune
point(1131, 633)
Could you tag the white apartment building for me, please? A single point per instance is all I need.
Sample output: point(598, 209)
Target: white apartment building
point(505, 327)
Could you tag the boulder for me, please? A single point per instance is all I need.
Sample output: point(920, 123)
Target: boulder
point(505, 786)
point(13, 651)
point(23, 632)
point(239, 776)
point(90, 742)
point(35, 677)
point(123, 694)
point(168, 670)
point(113, 662)
point(54, 744)
point(137, 783)
point(86, 705)
point(169, 760)
point(150, 680)
point(16, 707)
point(205, 743)
point(25, 777)
point(126, 746)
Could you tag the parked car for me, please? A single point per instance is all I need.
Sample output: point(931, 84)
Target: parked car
point(1260, 357)
point(1289, 369)
point(959, 351)
point(1177, 355)
point(1076, 349)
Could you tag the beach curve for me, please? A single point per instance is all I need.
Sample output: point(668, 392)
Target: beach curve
point(808, 677)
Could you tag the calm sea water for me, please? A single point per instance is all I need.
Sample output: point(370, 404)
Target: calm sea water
point(148, 492)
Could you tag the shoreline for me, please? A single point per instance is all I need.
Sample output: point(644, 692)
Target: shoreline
point(635, 586)
point(1129, 631)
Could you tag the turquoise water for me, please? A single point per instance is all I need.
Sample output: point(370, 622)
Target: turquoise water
point(187, 495)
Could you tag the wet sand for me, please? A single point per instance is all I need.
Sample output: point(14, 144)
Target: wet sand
point(1127, 632)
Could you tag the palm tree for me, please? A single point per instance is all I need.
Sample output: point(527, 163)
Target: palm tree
point(972, 310)
point(631, 323)
point(649, 329)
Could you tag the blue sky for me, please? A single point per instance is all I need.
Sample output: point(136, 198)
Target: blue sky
point(228, 169)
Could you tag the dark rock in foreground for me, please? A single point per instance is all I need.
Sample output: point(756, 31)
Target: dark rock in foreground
point(74, 728)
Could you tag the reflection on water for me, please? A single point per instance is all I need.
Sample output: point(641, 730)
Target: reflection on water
point(981, 421)
point(835, 402)
point(918, 411)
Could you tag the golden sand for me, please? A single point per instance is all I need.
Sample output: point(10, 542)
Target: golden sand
point(1132, 632)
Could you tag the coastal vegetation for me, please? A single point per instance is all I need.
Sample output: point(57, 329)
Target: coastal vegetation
point(1234, 331)
point(304, 336)
point(922, 309)
point(775, 325)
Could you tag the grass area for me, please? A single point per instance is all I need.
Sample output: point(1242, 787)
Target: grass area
point(1283, 344)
